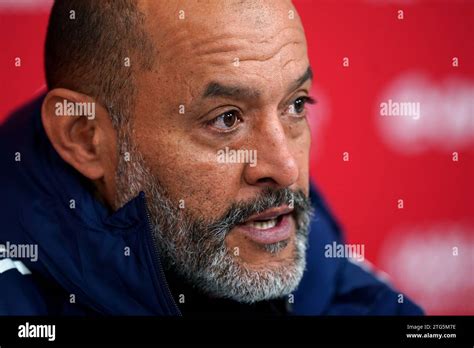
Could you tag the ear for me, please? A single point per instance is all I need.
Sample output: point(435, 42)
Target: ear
point(81, 131)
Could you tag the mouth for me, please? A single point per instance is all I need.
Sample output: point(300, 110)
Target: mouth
point(270, 226)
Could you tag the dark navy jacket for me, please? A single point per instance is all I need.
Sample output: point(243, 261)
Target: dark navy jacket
point(81, 268)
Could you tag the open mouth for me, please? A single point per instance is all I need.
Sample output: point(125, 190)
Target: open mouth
point(270, 226)
point(264, 224)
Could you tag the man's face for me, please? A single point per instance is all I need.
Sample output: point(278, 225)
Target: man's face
point(221, 135)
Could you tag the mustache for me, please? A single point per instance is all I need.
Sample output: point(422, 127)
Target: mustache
point(239, 212)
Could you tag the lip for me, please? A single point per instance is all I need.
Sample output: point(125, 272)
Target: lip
point(281, 231)
point(270, 213)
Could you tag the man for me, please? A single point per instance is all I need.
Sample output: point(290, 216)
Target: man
point(165, 172)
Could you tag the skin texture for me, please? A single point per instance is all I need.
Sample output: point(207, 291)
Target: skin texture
point(180, 149)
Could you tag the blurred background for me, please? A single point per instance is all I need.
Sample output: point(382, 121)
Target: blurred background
point(400, 185)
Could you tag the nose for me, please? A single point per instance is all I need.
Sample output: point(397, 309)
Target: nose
point(276, 166)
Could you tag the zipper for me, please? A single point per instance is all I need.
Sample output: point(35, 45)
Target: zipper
point(156, 258)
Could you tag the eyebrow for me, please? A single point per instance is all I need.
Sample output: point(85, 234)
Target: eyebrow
point(216, 89)
point(308, 75)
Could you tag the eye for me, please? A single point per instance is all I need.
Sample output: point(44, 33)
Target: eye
point(298, 105)
point(226, 121)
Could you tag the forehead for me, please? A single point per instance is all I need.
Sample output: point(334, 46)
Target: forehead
point(260, 42)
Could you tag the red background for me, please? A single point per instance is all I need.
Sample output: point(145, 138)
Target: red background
point(414, 244)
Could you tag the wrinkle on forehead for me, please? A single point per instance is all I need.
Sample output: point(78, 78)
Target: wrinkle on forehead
point(211, 37)
point(244, 47)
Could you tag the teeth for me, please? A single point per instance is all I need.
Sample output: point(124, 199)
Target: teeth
point(263, 225)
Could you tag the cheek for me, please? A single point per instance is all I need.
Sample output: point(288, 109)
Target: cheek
point(207, 189)
point(301, 150)
point(193, 177)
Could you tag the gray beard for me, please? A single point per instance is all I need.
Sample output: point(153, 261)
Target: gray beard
point(195, 249)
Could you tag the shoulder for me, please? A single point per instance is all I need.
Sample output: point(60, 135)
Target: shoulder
point(339, 285)
point(19, 295)
point(362, 290)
